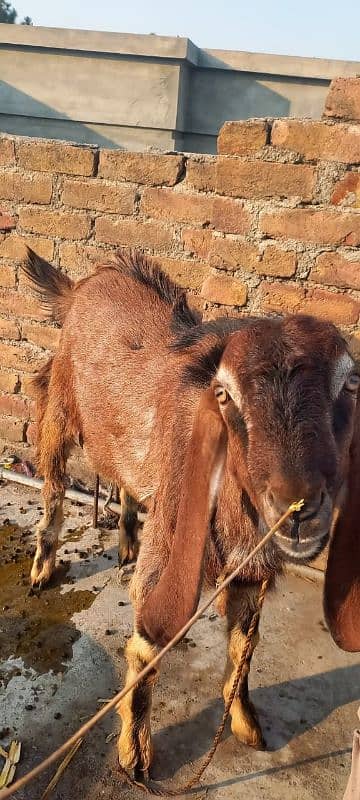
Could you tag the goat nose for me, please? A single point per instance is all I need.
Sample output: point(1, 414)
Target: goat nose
point(312, 502)
point(312, 506)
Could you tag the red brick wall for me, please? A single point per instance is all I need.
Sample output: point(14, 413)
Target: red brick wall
point(271, 224)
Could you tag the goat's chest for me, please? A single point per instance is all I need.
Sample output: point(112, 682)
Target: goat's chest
point(230, 544)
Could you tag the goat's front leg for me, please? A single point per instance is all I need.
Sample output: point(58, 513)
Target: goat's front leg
point(134, 744)
point(128, 529)
point(240, 604)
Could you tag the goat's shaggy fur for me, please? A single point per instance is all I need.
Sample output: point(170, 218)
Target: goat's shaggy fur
point(216, 427)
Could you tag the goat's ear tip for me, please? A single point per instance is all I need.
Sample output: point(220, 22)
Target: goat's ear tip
point(30, 254)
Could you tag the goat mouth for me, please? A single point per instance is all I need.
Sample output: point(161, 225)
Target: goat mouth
point(301, 549)
point(303, 536)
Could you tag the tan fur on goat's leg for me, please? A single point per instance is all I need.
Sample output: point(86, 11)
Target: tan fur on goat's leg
point(134, 744)
point(53, 447)
point(244, 722)
point(128, 529)
point(47, 534)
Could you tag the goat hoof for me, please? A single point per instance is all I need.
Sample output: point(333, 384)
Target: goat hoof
point(249, 735)
point(128, 552)
point(135, 751)
point(245, 726)
point(41, 573)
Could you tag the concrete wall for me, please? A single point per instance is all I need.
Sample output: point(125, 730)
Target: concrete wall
point(140, 92)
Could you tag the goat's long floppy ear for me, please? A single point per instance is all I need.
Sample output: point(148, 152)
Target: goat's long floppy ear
point(173, 601)
point(342, 579)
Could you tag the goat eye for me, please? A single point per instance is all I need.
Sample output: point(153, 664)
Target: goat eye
point(221, 395)
point(352, 383)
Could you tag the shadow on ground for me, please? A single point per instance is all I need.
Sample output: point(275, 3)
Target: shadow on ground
point(315, 696)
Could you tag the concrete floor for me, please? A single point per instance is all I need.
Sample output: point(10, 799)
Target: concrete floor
point(62, 652)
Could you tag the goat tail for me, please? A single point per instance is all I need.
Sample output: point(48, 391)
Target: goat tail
point(53, 288)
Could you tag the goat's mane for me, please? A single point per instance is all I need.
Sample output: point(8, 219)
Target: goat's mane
point(146, 271)
point(219, 328)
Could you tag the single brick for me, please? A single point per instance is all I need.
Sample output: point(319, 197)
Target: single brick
point(201, 175)
point(167, 204)
point(63, 224)
point(22, 356)
point(225, 290)
point(311, 225)
point(189, 274)
point(318, 140)
point(197, 241)
point(334, 269)
point(41, 335)
point(24, 187)
point(230, 216)
point(50, 156)
point(260, 179)
point(27, 385)
point(347, 191)
point(232, 254)
point(242, 138)
point(147, 168)
point(291, 298)
point(7, 275)
point(14, 406)
point(281, 297)
point(12, 429)
point(338, 308)
point(7, 222)
point(9, 329)
point(20, 305)
point(98, 195)
point(9, 381)
point(14, 247)
point(132, 233)
point(7, 152)
point(277, 262)
point(79, 259)
point(343, 99)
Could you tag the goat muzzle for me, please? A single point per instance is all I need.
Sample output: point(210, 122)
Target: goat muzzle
point(305, 533)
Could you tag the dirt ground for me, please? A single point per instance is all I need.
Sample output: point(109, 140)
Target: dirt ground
point(62, 652)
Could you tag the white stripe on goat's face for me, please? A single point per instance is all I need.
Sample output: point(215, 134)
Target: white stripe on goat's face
point(343, 367)
point(229, 381)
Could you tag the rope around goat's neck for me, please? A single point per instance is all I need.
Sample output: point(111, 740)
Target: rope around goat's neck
point(163, 791)
point(81, 732)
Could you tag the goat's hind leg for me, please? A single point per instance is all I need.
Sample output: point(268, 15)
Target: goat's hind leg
point(128, 529)
point(240, 604)
point(134, 744)
point(52, 455)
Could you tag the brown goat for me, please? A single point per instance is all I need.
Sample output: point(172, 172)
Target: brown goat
point(217, 427)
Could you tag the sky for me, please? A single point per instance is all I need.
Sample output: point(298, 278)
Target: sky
point(317, 28)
